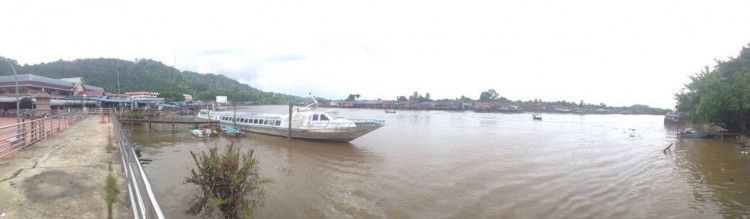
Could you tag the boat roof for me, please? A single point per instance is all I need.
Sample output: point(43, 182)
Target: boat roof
point(250, 115)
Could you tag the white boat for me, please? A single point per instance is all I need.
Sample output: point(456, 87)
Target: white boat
point(306, 123)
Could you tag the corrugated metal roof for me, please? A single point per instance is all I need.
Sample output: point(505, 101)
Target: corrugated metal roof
point(89, 87)
point(67, 82)
point(71, 80)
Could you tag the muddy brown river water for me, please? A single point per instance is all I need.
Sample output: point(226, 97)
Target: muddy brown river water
point(437, 164)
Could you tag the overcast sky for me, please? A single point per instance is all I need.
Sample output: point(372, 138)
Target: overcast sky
point(617, 53)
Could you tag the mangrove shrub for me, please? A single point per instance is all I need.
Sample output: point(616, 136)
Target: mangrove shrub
point(227, 181)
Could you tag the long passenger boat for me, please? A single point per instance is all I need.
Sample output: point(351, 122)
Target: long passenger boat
point(307, 123)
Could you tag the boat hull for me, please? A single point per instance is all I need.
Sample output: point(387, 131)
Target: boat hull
point(696, 135)
point(337, 134)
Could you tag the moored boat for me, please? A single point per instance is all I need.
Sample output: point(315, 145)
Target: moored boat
point(695, 134)
point(203, 132)
point(306, 123)
point(672, 117)
point(231, 131)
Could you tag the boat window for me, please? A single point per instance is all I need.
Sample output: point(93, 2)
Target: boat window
point(315, 117)
point(334, 115)
point(255, 121)
point(278, 122)
point(323, 117)
point(266, 122)
point(260, 121)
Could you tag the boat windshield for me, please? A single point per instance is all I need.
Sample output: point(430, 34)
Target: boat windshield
point(334, 115)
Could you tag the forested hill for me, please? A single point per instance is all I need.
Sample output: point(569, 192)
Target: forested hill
point(150, 75)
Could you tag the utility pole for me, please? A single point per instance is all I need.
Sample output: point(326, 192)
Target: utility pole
point(118, 77)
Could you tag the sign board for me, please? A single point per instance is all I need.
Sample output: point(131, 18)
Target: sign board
point(221, 99)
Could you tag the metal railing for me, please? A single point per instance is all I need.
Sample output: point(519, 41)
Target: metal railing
point(31, 130)
point(142, 199)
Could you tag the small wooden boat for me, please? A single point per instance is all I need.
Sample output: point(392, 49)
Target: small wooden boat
point(536, 117)
point(231, 131)
point(695, 134)
point(390, 111)
point(203, 132)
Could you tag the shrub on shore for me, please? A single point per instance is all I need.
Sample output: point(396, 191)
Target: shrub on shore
point(229, 182)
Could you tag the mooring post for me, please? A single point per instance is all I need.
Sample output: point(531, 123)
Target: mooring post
point(172, 122)
point(289, 129)
point(149, 124)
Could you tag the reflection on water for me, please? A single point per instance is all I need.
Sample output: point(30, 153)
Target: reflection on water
point(719, 175)
point(427, 164)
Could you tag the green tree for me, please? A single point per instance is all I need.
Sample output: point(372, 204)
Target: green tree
point(415, 96)
point(352, 97)
point(721, 96)
point(489, 95)
point(401, 98)
point(427, 97)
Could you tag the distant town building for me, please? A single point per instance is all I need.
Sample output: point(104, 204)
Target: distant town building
point(141, 94)
point(188, 97)
point(221, 99)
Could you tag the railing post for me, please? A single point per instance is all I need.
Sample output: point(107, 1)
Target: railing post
point(289, 129)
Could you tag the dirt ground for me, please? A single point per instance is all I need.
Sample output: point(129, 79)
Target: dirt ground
point(63, 176)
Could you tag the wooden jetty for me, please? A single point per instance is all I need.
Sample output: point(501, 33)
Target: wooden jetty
point(172, 122)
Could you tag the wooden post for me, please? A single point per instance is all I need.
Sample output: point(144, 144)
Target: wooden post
point(289, 129)
point(172, 122)
point(149, 125)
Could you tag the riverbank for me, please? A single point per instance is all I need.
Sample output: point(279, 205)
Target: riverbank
point(63, 176)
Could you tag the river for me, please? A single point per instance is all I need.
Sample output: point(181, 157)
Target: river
point(438, 164)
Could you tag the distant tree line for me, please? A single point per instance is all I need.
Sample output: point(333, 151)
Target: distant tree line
point(150, 75)
point(720, 96)
point(491, 95)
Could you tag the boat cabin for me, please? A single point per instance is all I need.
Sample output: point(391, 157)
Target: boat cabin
point(330, 119)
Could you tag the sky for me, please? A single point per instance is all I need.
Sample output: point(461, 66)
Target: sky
point(618, 53)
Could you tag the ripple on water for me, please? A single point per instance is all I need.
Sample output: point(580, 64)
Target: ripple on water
point(470, 165)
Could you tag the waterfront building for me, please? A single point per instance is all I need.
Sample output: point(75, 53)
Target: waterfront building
point(66, 92)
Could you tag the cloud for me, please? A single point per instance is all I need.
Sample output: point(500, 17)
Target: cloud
point(573, 50)
point(284, 58)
